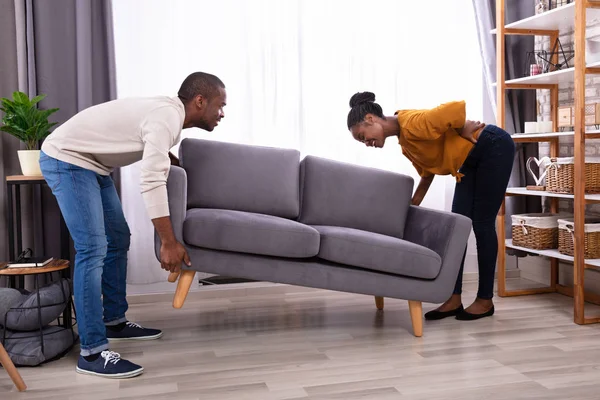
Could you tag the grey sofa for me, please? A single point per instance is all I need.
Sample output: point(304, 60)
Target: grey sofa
point(261, 213)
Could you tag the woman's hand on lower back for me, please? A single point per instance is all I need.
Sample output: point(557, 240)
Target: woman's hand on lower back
point(468, 131)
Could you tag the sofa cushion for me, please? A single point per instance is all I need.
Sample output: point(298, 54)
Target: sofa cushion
point(351, 196)
point(241, 177)
point(244, 232)
point(377, 252)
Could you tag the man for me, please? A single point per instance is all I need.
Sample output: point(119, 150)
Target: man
point(76, 161)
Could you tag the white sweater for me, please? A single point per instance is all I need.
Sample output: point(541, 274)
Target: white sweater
point(119, 133)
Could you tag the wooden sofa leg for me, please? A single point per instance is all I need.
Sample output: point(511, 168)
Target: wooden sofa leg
point(183, 287)
point(416, 316)
point(11, 369)
point(379, 302)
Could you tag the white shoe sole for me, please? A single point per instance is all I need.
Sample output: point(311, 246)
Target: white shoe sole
point(153, 337)
point(124, 375)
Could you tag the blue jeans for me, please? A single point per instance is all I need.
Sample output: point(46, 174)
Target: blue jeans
point(479, 196)
point(93, 213)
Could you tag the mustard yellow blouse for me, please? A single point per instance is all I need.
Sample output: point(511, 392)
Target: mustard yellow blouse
point(430, 140)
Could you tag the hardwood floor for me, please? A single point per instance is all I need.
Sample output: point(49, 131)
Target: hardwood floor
point(284, 342)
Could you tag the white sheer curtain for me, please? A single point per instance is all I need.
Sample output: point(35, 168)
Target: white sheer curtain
point(290, 68)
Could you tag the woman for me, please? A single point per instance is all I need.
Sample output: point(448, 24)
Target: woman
point(440, 141)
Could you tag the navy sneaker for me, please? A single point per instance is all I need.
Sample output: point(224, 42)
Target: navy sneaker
point(131, 331)
point(109, 365)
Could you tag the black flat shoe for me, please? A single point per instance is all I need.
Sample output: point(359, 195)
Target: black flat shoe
point(435, 315)
point(467, 316)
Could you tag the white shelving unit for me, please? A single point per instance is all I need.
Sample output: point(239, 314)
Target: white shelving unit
point(538, 137)
point(589, 198)
point(559, 19)
point(552, 254)
point(572, 17)
point(550, 78)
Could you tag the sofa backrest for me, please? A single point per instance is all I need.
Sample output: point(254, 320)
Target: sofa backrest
point(351, 196)
point(241, 177)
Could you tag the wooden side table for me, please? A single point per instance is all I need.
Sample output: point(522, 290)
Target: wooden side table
point(15, 231)
point(53, 266)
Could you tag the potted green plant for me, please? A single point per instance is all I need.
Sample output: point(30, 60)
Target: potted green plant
point(25, 121)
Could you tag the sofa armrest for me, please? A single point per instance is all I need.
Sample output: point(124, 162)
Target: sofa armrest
point(177, 192)
point(444, 232)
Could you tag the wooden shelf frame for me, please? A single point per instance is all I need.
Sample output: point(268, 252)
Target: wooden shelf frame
point(549, 24)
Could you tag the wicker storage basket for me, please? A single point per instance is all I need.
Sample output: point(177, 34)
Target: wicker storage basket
point(566, 240)
point(560, 175)
point(536, 231)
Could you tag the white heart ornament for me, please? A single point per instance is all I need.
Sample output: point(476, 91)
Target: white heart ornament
point(543, 163)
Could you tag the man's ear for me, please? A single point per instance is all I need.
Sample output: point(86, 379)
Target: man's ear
point(200, 101)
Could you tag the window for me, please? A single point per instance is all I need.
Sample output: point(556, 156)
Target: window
point(290, 68)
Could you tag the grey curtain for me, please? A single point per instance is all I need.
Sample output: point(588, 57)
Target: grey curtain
point(9, 81)
point(64, 49)
point(520, 104)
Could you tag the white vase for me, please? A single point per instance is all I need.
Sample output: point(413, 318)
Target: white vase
point(30, 162)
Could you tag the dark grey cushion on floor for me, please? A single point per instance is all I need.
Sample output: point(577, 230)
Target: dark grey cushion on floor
point(351, 196)
point(25, 348)
point(8, 298)
point(244, 232)
point(24, 316)
point(377, 252)
point(239, 177)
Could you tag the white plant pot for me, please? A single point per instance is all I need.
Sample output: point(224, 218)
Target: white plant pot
point(30, 162)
